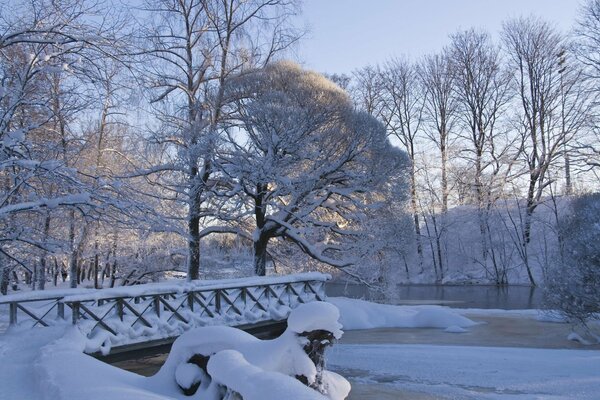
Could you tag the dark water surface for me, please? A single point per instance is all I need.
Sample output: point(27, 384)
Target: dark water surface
point(512, 297)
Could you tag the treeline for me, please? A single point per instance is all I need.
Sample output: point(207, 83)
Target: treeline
point(498, 125)
point(137, 143)
point(171, 138)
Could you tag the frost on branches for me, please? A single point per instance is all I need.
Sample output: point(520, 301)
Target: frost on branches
point(304, 165)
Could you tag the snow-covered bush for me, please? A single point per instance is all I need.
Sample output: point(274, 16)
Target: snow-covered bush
point(573, 286)
point(218, 362)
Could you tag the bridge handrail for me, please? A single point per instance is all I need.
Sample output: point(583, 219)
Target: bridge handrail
point(66, 295)
point(196, 292)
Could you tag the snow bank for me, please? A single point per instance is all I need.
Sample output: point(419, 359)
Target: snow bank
point(232, 370)
point(360, 314)
point(50, 364)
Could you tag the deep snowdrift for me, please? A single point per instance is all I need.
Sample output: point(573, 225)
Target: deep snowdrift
point(360, 314)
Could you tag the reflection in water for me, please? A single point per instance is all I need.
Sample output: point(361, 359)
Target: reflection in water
point(462, 296)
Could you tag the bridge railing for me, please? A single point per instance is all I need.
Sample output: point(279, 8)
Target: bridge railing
point(130, 314)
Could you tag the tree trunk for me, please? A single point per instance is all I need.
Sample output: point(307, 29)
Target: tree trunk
point(4, 280)
point(34, 278)
point(413, 200)
point(55, 272)
point(444, 152)
point(44, 261)
point(260, 255)
point(194, 248)
point(95, 272)
point(73, 270)
point(194, 225)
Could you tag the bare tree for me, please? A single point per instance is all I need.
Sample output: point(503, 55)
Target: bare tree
point(440, 110)
point(402, 113)
point(40, 40)
point(587, 33)
point(552, 107)
point(481, 87)
point(194, 47)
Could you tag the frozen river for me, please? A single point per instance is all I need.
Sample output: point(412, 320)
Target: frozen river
point(512, 297)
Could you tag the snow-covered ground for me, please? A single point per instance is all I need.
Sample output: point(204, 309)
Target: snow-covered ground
point(49, 363)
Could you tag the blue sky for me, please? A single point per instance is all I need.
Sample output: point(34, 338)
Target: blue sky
point(348, 34)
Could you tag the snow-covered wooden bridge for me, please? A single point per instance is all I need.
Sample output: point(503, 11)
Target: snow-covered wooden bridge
point(143, 316)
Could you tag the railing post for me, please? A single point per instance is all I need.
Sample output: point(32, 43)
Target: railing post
point(60, 309)
point(156, 303)
point(120, 308)
point(218, 301)
point(244, 297)
point(190, 301)
point(13, 313)
point(75, 314)
point(268, 296)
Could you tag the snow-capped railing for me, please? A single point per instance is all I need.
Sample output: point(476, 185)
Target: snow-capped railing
point(133, 314)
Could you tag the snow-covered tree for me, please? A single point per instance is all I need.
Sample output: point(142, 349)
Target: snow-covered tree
point(553, 107)
point(45, 47)
point(307, 164)
point(572, 286)
point(191, 48)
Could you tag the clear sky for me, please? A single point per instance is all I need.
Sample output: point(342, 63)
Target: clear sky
point(348, 34)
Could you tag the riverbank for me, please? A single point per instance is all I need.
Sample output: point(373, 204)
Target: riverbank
point(509, 355)
point(506, 329)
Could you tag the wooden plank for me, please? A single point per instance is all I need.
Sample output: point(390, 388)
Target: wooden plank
point(270, 289)
point(300, 299)
point(46, 313)
point(137, 314)
point(61, 310)
point(316, 292)
point(31, 314)
point(74, 312)
point(202, 304)
point(13, 313)
point(98, 319)
point(174, 311)
point(256, 301)
point(231, 303)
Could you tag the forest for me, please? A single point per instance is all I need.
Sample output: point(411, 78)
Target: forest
point(177, 139)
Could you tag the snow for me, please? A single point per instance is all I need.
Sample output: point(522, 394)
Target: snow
point(360, 314)
point(254, 383)
point(186, 375)
point(283, 356)
point(455, 329)
point(163, 287)
point(315, 316)
point(574, 336)
point(470, 372)
point(50, 363)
